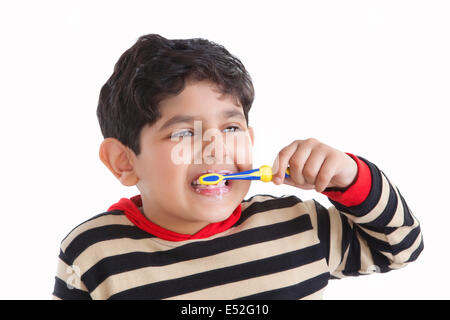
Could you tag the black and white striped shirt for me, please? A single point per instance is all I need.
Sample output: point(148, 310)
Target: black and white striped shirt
point(279, 248)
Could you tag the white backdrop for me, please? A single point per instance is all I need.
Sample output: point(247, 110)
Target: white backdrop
point(367, 77)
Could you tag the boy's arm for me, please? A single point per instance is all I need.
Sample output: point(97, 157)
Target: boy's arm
point(68, 284)
point(370, 228)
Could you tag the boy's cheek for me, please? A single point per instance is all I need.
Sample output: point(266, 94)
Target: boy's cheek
point(242, 152)
point(153, 166)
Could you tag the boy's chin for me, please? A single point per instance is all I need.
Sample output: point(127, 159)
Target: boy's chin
point(215, 212)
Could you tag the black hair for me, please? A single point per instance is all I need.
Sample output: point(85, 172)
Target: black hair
point(155, 68)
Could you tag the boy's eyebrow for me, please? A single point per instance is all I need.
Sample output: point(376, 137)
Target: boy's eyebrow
point(176, 119)
point(187, 119)
point(232, 113)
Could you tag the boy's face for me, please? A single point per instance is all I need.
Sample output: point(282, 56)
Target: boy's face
point(199, 130)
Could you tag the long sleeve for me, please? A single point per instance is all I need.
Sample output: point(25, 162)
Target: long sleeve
point(370, 228)
point(68, 284)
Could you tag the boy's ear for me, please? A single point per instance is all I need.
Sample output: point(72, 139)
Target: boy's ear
point(119, 160)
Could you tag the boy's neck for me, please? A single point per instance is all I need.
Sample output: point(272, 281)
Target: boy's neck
point(177, 226)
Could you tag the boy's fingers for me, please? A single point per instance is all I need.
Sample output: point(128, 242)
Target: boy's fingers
point(281, 162)
point(313, 165)
point(325, 175)
point(297, 162)
point(303, 186)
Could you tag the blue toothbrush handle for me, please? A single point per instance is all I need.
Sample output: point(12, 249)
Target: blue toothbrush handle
point(287, 174)
point(242, 175)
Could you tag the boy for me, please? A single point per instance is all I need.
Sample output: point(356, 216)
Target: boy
point(181, 240)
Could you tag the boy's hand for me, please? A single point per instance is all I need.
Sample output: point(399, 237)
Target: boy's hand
point(314, 165)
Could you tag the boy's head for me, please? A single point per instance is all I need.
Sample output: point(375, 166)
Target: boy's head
point(171, 111)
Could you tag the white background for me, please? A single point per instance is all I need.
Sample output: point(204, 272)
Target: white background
point(367, 77)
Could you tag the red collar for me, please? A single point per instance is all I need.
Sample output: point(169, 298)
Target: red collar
point(131, 209)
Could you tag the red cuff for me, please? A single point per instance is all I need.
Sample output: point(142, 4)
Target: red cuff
point(358, 191)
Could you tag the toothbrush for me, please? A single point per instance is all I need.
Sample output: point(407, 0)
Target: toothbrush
point(263, 173)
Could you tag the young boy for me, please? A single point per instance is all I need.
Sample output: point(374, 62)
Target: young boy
point(181, 240)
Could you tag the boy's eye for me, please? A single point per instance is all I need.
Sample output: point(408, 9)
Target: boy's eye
point(183, 133)
point(188, 132)
point(232, 129)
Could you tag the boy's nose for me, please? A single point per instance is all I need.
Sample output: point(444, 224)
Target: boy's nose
point(216, 151)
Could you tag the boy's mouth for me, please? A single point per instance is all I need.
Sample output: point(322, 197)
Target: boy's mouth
point(212, 190)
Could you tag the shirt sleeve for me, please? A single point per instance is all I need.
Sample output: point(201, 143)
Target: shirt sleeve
point(369, 228)
point(68, 284)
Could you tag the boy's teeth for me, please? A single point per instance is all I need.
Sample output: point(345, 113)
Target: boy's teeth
point(196, 183)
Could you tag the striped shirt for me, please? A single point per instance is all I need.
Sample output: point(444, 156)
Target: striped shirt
point(275, 248)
